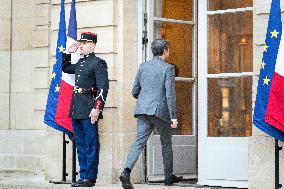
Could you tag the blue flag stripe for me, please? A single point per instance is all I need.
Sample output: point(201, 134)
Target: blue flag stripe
point(72, 28)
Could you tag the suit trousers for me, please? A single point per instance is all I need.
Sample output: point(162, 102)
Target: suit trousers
point(88, 147)
point(145, 126)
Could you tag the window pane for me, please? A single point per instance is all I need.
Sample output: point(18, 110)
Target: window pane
point(229, 107)
point(184, 107)
point(230, 47)
point(180, 39)
point(173, 9)
point(228, 4)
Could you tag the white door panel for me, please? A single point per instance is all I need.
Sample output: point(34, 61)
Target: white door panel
point(232, 154)
point(224, 85)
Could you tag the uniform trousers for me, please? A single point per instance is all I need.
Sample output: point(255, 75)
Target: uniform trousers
point(88, 147)
point(145, 126)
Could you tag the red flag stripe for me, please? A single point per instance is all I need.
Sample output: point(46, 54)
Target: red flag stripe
point(275, 107)
point(63, 106)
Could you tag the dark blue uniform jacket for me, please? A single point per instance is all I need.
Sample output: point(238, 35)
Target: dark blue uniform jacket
point(91, 84)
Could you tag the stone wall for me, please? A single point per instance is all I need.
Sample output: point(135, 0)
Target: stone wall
point(5, 54)
point(21, 132)
point(261, 146)
point(27, 50)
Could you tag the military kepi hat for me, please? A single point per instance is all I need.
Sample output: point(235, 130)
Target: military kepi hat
point(88, 36)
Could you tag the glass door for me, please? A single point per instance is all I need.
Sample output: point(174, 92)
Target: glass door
point(225, 59)
point(175, 21)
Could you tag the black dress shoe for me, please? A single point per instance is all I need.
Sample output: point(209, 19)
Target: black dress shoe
point(77, 182)
point(177, 179)
point(85, 183)
point(174, 179)
point(125, 179)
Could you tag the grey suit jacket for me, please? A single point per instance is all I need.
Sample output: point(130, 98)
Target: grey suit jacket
point(154, 89)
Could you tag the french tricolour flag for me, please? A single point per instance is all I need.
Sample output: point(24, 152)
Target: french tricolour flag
point(269, 105)
point(68, 80)
point(60, 92)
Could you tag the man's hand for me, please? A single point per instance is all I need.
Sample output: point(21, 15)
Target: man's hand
point(174, 124)
point(73, 48)
point(94, 115)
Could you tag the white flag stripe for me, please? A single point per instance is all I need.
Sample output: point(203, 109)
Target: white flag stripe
point(70, 78)
point(279, 67)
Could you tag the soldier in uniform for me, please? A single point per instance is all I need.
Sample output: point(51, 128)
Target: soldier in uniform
point(88, 99)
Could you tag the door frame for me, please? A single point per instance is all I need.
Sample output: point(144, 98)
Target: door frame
point(202, 88)
point(202, 75)
point(141, 8)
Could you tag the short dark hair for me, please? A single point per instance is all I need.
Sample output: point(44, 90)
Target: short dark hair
point(158, 46)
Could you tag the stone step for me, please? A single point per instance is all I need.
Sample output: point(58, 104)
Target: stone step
point(98, 186)
point(36, 180)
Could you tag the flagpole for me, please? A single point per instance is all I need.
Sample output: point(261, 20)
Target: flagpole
point(277, 149)
point(64, 173)
point(74, 173)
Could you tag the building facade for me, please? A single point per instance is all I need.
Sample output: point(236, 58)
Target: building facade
point(216, 47)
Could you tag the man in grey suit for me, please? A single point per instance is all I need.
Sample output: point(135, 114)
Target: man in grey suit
point(154, 89)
